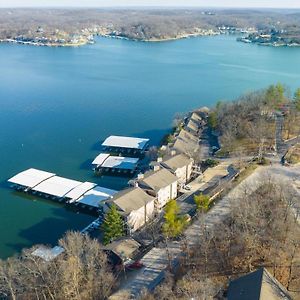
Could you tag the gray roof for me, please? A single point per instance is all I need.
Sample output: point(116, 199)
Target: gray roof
point(186, 142)
point(258, 285)
point(177, 161)
point(196, 117)
point(131, 199)
point(124, 248)
point(192, 125)
point(158, 179)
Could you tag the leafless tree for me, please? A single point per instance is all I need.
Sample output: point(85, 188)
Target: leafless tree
point(80, 272)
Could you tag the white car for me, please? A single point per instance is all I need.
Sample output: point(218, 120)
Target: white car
point(187, 187)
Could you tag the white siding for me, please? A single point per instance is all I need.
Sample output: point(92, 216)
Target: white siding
point(184, 173)
point(136, 219)
point(165, 194)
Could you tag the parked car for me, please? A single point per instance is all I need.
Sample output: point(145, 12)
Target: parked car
point(187, 187)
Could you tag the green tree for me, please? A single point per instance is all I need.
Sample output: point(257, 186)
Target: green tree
point(275, 95)
point(113, 225)
point(213, 120)
point(297, 99)
point(202, 202)
point(174, 223)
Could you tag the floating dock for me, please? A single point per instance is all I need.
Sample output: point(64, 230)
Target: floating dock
point(51, 186)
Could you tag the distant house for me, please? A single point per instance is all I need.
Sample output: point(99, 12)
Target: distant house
point(161, 183)
point(186, 143)
point(258, 285)
point(180, 165)
point(135, 205)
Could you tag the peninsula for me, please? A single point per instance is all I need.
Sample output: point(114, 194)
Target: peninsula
point(75, 27)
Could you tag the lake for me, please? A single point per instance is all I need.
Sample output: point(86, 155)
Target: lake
point(57, 104)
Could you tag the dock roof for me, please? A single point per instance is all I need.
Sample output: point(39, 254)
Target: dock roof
point(118, 162)
point(158, 179)
point(30, 178)
point(100, 159)
point(48, 254)
point(104, 160)
point(80, 190)
point(95, 196)
point(125, 142)
point(131, 199)
point(57, 186)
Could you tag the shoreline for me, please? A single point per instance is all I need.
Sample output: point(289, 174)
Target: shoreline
point(86, 42)
point(159, 40)
point(39, 44)
point(267, 44)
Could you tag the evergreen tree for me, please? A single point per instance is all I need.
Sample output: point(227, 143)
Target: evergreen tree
point(113, 226)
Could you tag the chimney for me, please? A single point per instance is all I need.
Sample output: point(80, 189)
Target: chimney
point(173, 152)
point(159, 159)
point(140, 176)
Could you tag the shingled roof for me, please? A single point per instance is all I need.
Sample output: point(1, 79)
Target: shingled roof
point(186, 142)
point(258, 285)
point(157, 180)
point(177, 161)
point(131, 199)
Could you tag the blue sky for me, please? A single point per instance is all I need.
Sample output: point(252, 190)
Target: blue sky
point(108, 3)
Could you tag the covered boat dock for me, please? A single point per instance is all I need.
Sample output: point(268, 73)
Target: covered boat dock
point(56, 186)
point(51, 186)
point(125, 145)
point(94, 197)
point(30, 178)
point(115, 164)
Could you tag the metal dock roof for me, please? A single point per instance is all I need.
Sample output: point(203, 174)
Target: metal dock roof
point(115, 162)
point(30, 178)
point(80, 190)
point(57, 186)
point(95, 196)
point(125, 142)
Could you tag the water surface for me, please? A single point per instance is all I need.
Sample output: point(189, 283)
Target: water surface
point(56, 104)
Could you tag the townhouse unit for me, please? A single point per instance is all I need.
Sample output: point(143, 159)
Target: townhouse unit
point(180, 165)
point(135, 205)
point(161, 184)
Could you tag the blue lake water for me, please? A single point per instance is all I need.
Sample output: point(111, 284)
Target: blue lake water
point(56, 104)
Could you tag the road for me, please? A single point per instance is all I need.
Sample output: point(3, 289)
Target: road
point(282, 145)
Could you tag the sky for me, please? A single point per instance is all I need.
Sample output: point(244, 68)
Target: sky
point(122, 3)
